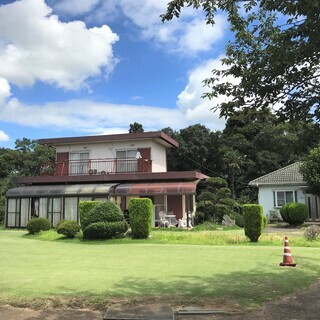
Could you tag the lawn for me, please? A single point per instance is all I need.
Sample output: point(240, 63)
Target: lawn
point(92, 272)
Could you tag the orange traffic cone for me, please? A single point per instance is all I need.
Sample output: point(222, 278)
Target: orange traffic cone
point(287, 259)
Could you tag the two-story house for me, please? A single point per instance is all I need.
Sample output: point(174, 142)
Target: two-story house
point(106, 167)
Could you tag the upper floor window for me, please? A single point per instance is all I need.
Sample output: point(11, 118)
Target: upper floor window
point(280, 198)
point(127, 160)
point(78, 162)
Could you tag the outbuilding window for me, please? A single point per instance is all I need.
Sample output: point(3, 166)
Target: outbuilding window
point(280, 198)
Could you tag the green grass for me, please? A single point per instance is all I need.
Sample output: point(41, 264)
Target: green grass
point(33, 271)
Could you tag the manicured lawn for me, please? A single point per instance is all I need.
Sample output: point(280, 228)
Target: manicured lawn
point(246, 275)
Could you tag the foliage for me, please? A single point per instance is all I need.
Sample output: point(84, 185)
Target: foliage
point(68, 228)
point(253, 221)
point(198, 150)
point(36, 225)
point(239, 219)
point(140, 217)
point(215, 200)
point(104, 212)
point(312, 232)
point(102, 220)
point(105, 230)
point(85, 207)
point(310, 170)
point(136, 127)
point(261, 76)
point(294, 213)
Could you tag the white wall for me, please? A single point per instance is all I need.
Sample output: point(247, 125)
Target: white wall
point(265, 197)
point(108, 150)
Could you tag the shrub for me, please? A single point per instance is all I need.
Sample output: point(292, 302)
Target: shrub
point(294, 213)
point(253, 221)
point(104, 212)
point(68, 228)
point(105, 230)
point(36, 225)
point(239, 219)
point(312, 232)
point(85, 207)
point(264, 222)
point(140, 217)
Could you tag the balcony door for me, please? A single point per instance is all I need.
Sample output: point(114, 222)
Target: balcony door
point(127, 161)
point(78, 163)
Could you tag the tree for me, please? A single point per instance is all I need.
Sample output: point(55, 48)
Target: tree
point(310, 170)
point(274, 58)
point(215, 200)
point(136, 127)
point(198, 150)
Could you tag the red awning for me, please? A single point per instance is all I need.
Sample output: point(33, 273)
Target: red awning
point(156, 188)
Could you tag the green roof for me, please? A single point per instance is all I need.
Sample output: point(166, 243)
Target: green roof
point(287, 175)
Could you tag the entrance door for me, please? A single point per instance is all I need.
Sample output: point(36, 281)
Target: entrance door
point(313, 203)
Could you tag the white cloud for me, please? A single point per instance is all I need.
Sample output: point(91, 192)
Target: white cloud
point(36, 45)
point(187, 35)
point(76, 7)
point(190, 101)
point(95, 118)
point(5, 91)
point(3, 136)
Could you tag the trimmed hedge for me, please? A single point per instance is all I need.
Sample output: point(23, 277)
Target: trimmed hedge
point(85, 207)
point(36, 225)
point(68, 228)
point(105, 230)
point(253, 221)
point(105, 212)
point(294, 213)
point(140, 217)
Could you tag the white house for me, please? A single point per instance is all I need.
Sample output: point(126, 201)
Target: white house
point(115, 167)
point(285, 185)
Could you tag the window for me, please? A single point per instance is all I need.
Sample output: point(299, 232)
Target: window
point(280, 198)
point(127, 161)
point(78, 163)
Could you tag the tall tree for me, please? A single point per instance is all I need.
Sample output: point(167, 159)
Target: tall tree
point(136, 127)
point(274, 57)
point(310, 170)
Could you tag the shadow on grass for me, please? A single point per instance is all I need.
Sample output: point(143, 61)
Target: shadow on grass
point(239, 289)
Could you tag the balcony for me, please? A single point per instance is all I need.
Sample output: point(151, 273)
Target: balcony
point(95, 167)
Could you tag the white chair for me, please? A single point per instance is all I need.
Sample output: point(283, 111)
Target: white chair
point(163, 221)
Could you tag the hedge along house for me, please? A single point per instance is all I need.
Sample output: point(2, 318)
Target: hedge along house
point(285, 185)
point(107, 167)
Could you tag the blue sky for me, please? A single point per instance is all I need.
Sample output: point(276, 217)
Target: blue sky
point(87, 67)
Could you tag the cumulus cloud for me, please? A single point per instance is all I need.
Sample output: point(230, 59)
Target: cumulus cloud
point(5, 91)
point(3, 136)
point(187, 35)
point(36, 45)
point(76, 7)
point(190, 101)
point(92, 117)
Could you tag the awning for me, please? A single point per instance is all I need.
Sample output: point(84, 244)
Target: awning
point(62, 190)
point(156, 188)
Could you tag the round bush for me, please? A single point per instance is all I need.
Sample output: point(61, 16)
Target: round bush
point(104, 212)
point(294, 213)
point(68, 228)
point(105, 230)
point(36, 225)
point(312, 232)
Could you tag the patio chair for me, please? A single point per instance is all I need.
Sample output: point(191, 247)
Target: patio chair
point(163, 221)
